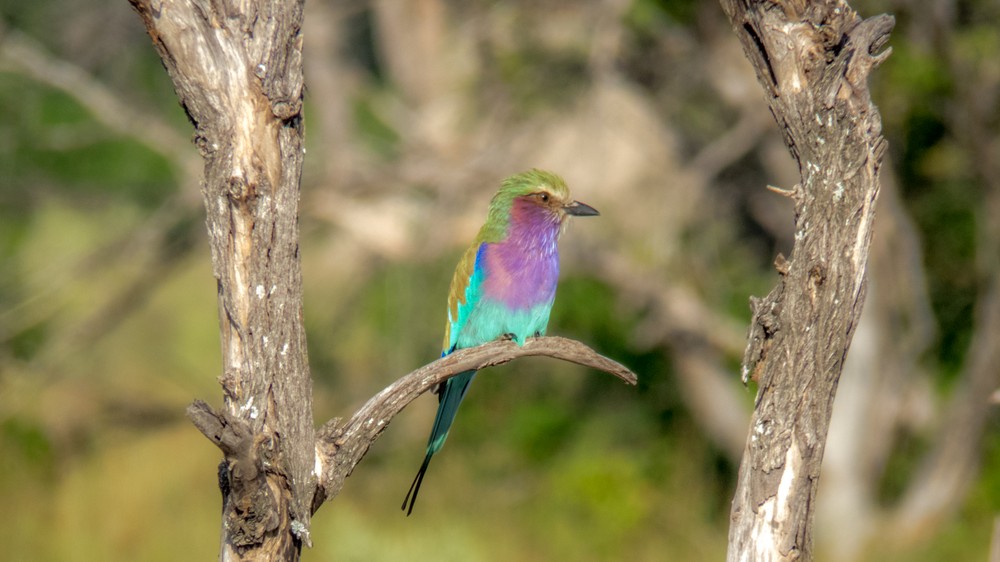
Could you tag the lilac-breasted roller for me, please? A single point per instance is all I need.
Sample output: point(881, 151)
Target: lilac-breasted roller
point(504, 285)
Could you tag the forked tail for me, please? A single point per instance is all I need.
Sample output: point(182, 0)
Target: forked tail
point(449, 400)
point(415, 486)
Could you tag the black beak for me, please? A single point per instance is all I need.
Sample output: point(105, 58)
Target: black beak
point(578, 209)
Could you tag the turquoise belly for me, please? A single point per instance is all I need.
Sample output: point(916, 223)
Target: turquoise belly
point(490, 319)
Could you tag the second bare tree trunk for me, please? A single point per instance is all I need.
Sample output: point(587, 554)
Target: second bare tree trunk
point(813, 60)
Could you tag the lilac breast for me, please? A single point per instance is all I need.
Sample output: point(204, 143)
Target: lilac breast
point(522, 271)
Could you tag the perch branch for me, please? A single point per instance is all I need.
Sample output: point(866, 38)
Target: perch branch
point(340, 447)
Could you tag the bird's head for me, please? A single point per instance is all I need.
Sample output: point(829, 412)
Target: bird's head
point(537, 193)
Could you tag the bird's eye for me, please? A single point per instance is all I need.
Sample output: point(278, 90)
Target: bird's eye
point(544, 197)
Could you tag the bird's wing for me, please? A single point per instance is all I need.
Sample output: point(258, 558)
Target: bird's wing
point(464, 293)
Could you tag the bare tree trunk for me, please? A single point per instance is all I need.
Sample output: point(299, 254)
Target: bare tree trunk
point(813, 60)
point(237, 69)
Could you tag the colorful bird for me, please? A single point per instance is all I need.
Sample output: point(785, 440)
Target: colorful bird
point(504, 284)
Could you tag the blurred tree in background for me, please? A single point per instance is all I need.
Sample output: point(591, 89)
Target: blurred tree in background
point(415, 111)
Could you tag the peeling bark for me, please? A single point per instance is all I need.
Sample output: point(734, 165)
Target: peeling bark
point(813, 60)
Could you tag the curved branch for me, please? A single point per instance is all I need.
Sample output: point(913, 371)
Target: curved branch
point(340, 447)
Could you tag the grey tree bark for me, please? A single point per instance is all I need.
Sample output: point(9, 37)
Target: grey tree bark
point(813, 60)
point(237, 70)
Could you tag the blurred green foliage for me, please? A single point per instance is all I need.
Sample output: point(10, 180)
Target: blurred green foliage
point(938, 186)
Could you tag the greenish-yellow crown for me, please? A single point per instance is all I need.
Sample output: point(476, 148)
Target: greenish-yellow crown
point(518, 185)
point(532, 181)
